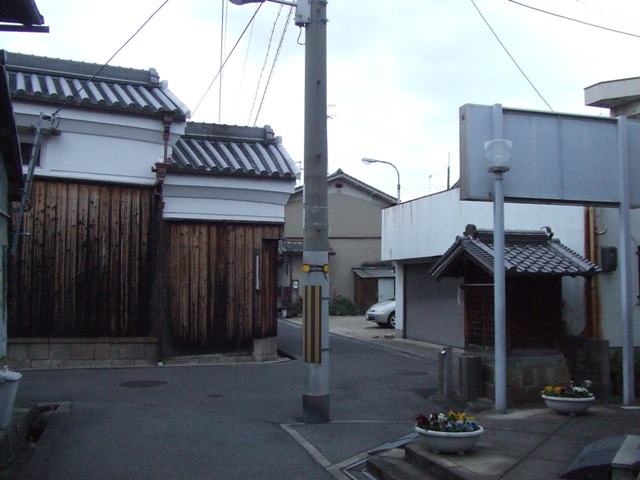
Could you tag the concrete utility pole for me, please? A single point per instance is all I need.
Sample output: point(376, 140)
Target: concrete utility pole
point(315, 257)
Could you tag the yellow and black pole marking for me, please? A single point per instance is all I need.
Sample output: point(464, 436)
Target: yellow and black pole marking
point(312, 322)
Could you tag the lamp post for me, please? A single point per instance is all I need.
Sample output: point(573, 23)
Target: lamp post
point(369, 161)
point(315, 258)
point(498, 161)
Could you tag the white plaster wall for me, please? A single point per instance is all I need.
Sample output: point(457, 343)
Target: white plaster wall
point(225, 198)
point(611, 301)
point(425, 228)
point(98, 146)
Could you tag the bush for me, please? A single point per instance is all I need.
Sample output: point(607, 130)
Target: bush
point(295, 309)
point(343, 306)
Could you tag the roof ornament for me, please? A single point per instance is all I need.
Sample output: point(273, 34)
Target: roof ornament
point(548, 231)
point(471, 231)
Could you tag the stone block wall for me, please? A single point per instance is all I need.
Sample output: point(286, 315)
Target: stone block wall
point(527, 375)
point(589, 359)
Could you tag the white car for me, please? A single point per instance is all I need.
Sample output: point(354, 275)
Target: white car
point(383, 313)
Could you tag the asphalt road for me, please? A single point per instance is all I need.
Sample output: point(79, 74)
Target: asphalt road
point(239, 421)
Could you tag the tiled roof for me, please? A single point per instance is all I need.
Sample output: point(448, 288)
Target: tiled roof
point(66, 82)
point(526, 253)
point(232, 150)
point(9, 143)
point(24, 12)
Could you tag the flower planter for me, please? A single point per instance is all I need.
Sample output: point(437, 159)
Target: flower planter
point(449, 442)
point(568, 406)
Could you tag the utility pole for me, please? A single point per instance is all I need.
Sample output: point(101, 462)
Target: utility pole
point(315, 257)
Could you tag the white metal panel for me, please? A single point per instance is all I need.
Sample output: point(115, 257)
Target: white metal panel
point(557, 158)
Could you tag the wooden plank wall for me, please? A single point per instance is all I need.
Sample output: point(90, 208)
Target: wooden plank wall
point(222, 285)
point(83, 268)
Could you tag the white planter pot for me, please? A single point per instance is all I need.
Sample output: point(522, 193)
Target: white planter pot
point(568, 406)
point(449, 442)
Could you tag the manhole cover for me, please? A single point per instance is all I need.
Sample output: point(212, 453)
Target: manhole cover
point(142, 383)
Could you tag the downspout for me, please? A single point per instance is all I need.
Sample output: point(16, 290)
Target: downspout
point(160, 269)
point(593, 327)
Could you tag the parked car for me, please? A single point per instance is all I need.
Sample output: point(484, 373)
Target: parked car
point(383, 313)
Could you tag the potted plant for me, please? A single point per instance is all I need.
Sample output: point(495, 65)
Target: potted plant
point(454, 432)
point(570, 398)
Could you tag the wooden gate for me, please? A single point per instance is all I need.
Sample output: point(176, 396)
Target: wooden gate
point(222, 286)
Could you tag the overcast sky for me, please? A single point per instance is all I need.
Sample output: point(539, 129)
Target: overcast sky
point(398, 70)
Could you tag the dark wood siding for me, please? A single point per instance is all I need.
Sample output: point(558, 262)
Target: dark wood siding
point(82, 270)
point(222, 284)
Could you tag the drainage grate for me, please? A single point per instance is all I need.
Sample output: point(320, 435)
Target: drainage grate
point(358, 471)
point(142, 383)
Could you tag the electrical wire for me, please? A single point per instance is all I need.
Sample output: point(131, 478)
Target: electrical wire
point(607, 14)
point(511, 56)
point(244, 70)
point(273, 66)
point(227, 59)
point(575, 20)
point(223, 37)
point(264, 64)
point(112, 57)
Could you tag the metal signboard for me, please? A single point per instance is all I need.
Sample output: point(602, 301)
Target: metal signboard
point(556, 158)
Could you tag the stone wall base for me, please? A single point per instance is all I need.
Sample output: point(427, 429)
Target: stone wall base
point(43, 353)
point(264, 350)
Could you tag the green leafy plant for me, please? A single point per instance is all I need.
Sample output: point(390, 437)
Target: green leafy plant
point(453, 422)
point(570, 390)
point(343, 306)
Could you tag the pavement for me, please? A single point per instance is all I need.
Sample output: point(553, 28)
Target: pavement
point(182, 422)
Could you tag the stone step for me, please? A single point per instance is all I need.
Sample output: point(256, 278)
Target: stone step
point(415, 461)
point(626, 463)
point(393, 466)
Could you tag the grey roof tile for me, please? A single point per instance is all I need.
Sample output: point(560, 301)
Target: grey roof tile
point(526, 253)
point(60, 82)
point(232, 150)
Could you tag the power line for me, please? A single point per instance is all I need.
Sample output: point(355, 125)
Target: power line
point(511, 56)
point(273, 66)
point(264, 64)
point(112, 56)
point(575, 20)
point(227, 59)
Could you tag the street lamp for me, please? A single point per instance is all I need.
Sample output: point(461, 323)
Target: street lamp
point(315, 256)
point(369, 161)
point(498, 161)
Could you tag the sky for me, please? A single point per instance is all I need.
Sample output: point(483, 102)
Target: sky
point(398, 71)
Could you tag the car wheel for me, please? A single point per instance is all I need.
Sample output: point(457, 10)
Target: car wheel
point(391, 321)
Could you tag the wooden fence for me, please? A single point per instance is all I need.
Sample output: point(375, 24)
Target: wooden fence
point(82, 268)
point(97, 262)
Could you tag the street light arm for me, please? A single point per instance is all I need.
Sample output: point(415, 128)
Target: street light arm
point(369, 161)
